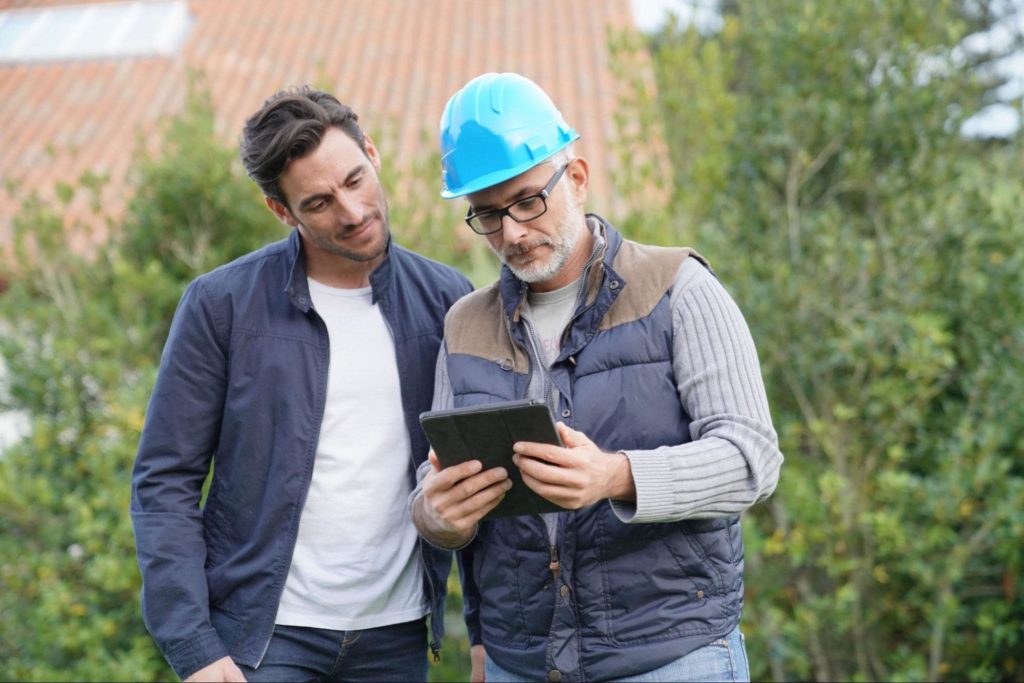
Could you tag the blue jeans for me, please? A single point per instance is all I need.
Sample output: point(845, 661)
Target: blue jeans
point(723, 660)
point(388, 653)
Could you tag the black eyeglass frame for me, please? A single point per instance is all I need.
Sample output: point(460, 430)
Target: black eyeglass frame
point(507, 211)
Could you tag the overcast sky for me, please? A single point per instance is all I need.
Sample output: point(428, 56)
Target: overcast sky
point(996, 120)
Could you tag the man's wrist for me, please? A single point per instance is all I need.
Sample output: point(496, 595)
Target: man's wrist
point(622, 485)
point(446, 539)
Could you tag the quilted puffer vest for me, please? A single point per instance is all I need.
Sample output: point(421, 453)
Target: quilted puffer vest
point(626, 598)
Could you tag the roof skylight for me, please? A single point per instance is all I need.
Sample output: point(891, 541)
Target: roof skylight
point(93, 31)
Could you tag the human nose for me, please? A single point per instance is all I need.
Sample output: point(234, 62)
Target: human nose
point(511, 230)
point(348, 209)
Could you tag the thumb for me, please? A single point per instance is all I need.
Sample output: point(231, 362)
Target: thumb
point(572, 438)
point(434, 461)
point(235, 675)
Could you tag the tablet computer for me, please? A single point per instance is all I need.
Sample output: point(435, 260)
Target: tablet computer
point(486, 433)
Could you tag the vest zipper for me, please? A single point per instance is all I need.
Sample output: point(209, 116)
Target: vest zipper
point(540, 360)
point(581, 298)
point(554, 566)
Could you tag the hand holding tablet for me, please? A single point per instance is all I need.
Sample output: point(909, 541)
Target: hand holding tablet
point(487, 433)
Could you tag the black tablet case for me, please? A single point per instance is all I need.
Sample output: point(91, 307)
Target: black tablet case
point(486, 433)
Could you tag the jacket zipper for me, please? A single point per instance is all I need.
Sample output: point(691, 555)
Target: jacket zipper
point(435, 647)
point(323, 404)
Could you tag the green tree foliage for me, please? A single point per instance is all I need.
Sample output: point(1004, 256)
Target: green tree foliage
point(874, 252)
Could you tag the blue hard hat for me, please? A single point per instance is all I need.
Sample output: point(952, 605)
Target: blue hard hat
point(496, 127)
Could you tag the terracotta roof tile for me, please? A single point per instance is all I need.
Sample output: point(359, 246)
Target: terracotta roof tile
point(395, 62)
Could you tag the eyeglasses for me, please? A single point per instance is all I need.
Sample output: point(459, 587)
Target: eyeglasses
point(521, 211)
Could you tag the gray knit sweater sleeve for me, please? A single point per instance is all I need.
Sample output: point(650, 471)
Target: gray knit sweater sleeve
point(734, 459)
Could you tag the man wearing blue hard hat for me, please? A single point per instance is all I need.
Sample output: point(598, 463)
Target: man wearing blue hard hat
point(650, 367)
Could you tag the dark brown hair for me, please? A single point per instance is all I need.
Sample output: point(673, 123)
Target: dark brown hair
point(288, 126)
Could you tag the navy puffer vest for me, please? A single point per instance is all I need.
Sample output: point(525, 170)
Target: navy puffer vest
point(626, 598)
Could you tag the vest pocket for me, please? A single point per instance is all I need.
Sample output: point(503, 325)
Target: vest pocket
point(518, 608)
point(660, 585)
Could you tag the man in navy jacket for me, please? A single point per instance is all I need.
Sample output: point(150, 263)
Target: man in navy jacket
point(298, 371)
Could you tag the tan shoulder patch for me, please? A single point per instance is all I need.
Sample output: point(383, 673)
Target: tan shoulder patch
point(476, 326)
point(649, 272)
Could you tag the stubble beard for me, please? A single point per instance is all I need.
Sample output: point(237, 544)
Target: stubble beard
point(331, 246)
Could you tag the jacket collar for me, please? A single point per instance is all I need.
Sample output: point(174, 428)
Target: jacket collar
point(296, 285)
point(384, 274)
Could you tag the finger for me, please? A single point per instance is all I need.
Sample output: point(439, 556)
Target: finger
point(555, 455)
point(464, 498)
point(542, 471)
point(432, 456)
point(473, 486)
point(557, 494)
point(471, 510)
point(451, 476)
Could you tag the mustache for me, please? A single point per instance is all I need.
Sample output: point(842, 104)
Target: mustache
point(352, 227)
point(523, 247)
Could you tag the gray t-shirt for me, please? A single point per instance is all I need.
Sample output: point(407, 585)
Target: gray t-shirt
point(547, 314)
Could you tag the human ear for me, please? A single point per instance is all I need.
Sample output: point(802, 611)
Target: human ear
point(281, 211)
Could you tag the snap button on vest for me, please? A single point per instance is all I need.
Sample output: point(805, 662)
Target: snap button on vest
point(614, 284)
point(555, 676)
point(566, 413)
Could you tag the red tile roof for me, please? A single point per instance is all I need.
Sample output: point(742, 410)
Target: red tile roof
point(395, 62)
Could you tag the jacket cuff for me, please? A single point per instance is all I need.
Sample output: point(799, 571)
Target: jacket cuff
point(474, 634)
point(193, 654)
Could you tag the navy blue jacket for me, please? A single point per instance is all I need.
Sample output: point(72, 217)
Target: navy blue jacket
point(242, 383)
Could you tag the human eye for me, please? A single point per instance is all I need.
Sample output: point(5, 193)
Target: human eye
point(488, 219)
point(529, 202)
point(528, 205)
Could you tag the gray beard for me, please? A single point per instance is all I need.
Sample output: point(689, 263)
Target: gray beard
point(568, 236)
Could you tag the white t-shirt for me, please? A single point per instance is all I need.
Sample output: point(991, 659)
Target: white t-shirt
point(355, 564)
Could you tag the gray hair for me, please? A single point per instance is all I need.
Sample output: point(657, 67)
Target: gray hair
point(562, 156)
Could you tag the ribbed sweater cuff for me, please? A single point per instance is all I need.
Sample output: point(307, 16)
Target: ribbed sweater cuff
point(674, 482)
